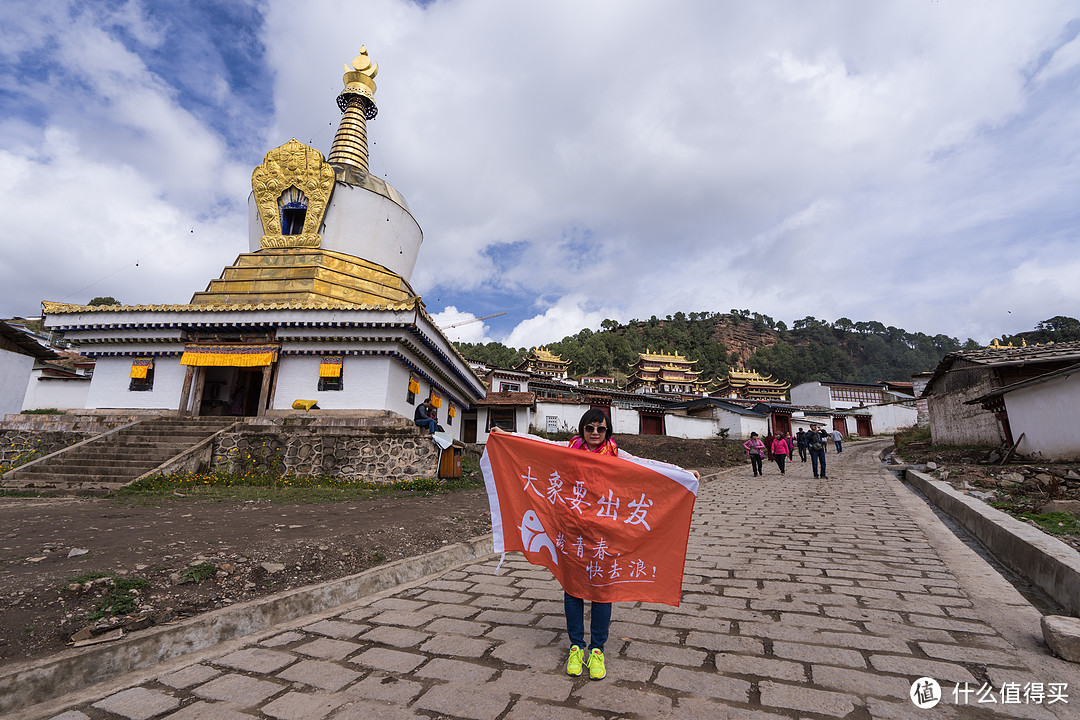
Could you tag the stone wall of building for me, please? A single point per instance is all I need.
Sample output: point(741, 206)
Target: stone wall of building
point(952, 422)
point(28, 437)
point(374, 454)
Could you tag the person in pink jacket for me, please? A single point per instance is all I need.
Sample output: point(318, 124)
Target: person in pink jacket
point(755, 450)
point(780, 450)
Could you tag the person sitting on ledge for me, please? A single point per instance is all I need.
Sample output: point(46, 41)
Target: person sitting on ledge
point(424, 416)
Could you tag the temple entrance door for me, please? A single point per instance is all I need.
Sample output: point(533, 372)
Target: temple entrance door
point(781, 424)
point(230, 391)
point(468, 427)
point(863, 428)
point(839, 423)
point(652, 424)
point(248, 384)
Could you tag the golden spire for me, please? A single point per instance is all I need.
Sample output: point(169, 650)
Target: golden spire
point(357, 102)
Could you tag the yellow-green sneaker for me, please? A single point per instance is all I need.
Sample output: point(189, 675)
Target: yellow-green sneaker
point(573, 663)
point(597, 671)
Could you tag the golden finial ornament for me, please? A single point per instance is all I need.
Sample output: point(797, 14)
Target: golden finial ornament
point(357, 102)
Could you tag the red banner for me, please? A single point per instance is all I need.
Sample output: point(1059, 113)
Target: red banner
point(608, 528)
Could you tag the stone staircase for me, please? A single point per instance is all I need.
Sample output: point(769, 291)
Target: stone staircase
point(112, 460)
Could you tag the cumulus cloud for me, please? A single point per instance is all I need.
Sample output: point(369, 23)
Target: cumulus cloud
point(461, 326)
point(885, 161)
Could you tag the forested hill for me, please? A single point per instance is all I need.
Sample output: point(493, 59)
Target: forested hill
point(811, 349)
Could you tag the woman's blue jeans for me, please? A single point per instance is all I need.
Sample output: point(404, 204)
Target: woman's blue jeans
point(599, 620)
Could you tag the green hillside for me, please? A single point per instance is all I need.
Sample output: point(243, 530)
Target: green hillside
point(811, 349)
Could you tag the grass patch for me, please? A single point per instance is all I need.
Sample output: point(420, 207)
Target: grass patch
point(286, 488)
point(911, 435)
point(44, 411)
point(90, 576)
point(120, 600)
point(1055, 523)
point(198, 573)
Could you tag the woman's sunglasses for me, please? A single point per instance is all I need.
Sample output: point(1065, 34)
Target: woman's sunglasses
point(595, 428)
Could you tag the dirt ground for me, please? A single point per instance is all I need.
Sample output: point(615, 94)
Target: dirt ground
point(50, 549)
point(1020, 484)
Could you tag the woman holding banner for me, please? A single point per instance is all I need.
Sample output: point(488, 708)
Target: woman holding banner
point(594, 436)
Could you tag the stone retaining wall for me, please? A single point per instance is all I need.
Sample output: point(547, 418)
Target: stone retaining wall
point(27, 437)
point(375, 454)
point(377, 447)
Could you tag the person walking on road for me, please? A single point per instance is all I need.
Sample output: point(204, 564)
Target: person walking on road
point(837, 437)
point(780, 452)
point(800, 441)
point(815, 444)
point(755, 450)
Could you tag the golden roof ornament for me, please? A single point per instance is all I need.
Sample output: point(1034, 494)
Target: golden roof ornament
point(357, 103)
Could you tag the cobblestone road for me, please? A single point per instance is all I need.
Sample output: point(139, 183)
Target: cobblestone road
point(802, 598)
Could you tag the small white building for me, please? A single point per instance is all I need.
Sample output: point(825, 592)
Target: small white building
point(1043, 413)
point(18, 354)
point(875, 408)
point(54, 387)
point(738, 420)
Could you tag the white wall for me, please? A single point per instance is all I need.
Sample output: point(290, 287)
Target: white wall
point(364, 382)
point(523, 417)
point(887, 419)
point(811, 393)
point(1048, 414)
point(112, 375)
point(691, 427)
point(59, 393)
point(568, 415)
point(623, 420)
point(14, 375)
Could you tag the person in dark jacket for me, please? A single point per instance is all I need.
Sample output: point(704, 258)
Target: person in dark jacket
point(815, 444)
point(423, 416)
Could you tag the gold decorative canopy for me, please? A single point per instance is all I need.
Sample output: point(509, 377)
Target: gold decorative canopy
point(292, 189)
point(357, 103)
point(307, 276)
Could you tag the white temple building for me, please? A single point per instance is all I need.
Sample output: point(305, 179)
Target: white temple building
point(319, 310)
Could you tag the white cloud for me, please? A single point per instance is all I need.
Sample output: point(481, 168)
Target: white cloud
point(885, 161)
point(566, 317)
point(461, 326)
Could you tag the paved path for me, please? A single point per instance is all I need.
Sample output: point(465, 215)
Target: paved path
point(803, 598)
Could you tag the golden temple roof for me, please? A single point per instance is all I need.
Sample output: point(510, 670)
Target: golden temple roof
point(305, 275)
point(742, 378)
point(544, 355)
point(55, 308)
point(663, 357)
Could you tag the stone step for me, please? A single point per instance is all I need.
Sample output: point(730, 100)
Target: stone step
point(116, 465)
point(157, 436)
point(60, 479)
point(138, 444)
point(80, 488)
point(76, 464)
point(141, 458)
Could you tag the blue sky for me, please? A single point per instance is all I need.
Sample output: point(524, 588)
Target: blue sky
point(915, 163)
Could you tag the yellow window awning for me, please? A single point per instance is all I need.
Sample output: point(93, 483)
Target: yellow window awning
point(141, 366)
point(229, 355)
point(330, 366)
